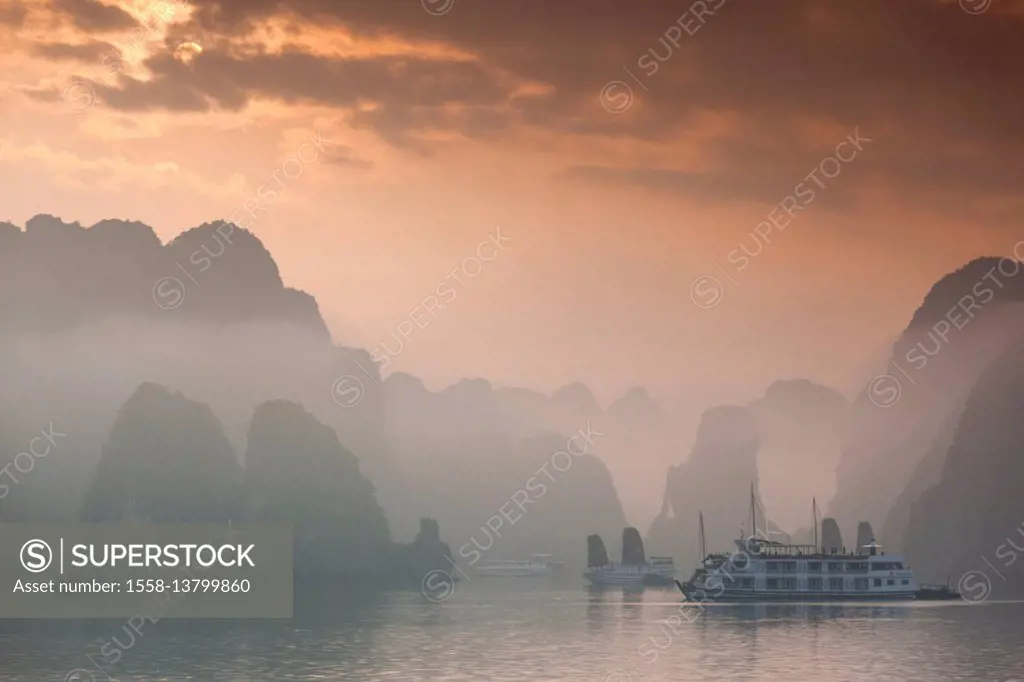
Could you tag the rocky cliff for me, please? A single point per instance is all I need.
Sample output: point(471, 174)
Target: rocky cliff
point(167, 460)
point(297, 472)
point(970, 524)
point(801, 426)
point(904, 414)
point(715, 479)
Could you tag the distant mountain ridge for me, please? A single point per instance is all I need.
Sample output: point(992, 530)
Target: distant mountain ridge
point(110, 308)
point(215, 273)
point(785, 444)
point(87, 315)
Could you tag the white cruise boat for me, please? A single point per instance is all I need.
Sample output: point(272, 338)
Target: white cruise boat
point(761, 570)
point(764, 570)
point(538, 565)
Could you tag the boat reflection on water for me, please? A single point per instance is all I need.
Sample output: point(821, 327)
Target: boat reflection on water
point(766, 613)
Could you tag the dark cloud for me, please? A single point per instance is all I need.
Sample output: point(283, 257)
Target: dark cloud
point(13, 15)
point(91, 15)
point(926, 75)
point(407, 94)
point(345, 157)
point(87, 52)
point(707, 186)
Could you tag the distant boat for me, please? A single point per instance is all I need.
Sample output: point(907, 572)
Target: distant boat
point(634, 569)
point(539, 565)
point(641, 574)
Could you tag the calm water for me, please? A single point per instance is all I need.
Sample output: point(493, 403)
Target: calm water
point(500, 631)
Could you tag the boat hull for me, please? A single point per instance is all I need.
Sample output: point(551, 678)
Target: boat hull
point(657, 580)
point(731, 596)
point(650, 579)
point(599, 579)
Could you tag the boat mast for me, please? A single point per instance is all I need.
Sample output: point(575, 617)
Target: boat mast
point(753, 511)
point(814, 513)
point(703, 548)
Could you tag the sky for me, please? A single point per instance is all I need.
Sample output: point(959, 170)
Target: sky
point(697, 197)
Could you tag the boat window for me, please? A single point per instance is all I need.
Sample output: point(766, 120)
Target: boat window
point(835, 583)
point(835, 567)
point(860, 583)
point(878, 582)
point(890, 581)
point(772, 583)
point(814, 566)
point(906, 582)
point(814, 583)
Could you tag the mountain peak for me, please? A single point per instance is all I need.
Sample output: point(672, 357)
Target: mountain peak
point(982, 280)
point(576, 394)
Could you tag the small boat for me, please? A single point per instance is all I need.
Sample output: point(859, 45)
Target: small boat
point(633, 570)
point(539, 565)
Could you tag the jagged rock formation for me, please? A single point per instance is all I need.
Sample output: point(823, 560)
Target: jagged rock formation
point(831, 537)
point(167, 461)
point(297, 472)
point(499, 498)
point(102, 316)
point(865, 535)
point(467, 425)
point(574, 404)
point(642, 443)
point(801, 425)
point(790, 437)
point(636, 407)
point(969, 316)
point(632, 547)
point(970, 521)
point(89, 328)
point(597, 555)
point(715, 479)
point(430, 533)
point(407, 564)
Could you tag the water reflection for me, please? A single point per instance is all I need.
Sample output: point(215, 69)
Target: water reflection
point(530, 632)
